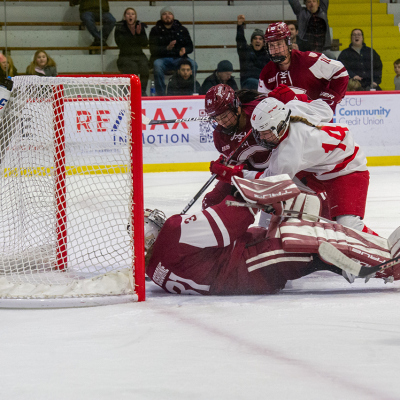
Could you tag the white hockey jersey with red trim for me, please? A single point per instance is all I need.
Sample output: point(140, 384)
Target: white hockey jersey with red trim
point(328, 152)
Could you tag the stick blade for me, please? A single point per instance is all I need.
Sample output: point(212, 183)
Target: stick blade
point(334, 256)
point(145, 120)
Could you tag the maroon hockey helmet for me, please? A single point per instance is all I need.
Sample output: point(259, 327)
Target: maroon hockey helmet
point(277, 31)
point(219, 99)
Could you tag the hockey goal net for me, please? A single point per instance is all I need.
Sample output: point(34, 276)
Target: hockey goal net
point(70, 183)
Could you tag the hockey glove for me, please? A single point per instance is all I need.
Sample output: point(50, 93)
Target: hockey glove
point(285, 94)
point(224, 172)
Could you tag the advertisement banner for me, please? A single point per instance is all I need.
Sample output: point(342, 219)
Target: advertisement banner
point(374, 120)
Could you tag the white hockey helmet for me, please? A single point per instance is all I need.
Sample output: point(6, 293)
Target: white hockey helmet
point(153, 222)
point(270, 115)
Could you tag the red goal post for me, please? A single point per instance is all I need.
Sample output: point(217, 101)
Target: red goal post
point(81, 187)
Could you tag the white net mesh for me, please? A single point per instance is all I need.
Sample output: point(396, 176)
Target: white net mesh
point(66, 188)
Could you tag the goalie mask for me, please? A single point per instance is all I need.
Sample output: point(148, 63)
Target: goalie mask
point(222, 106)
point(153, 222)
point(270, 120)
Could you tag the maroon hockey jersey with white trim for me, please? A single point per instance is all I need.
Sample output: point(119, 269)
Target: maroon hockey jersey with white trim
point(214, 253)
point(312, 73)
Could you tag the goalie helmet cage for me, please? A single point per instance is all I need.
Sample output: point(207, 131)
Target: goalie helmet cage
point(71, 178)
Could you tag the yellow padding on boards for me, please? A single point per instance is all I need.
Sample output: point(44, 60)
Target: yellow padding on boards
point(168, 167)
point(383, 161)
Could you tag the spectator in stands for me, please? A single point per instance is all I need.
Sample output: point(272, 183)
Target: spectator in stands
point(169, 42)
point(252, 57)
point(357, 60)
point(130, 37)
point(294, 31)
point(223, 74)
point(6, 67)
point(182, 81)
point(397, 72)
point(90, 14)
point(314, 33)
point(42, 65)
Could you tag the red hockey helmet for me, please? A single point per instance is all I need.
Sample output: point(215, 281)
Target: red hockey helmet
point(219, 99)
point(277, 31)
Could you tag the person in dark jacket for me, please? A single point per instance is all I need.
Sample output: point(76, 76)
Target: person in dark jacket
point(252, 57)
point(223, 74)
point(314, 33)
point(181, 82)
point(89, 11)
point(169, 42)
point(130, 37)
point(357, 60)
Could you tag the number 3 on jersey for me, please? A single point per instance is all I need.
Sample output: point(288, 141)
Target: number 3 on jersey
point(337, 132)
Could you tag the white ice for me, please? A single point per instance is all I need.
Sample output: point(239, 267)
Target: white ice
point(322, 338)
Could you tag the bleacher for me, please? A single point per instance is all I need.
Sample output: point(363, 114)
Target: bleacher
point(55, 27)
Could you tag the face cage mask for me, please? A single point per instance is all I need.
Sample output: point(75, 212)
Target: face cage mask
point(230, 130)
point(278, 59)
point(154, 221)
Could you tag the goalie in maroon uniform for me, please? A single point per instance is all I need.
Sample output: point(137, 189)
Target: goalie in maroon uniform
point(307, 72)
point(214, 252)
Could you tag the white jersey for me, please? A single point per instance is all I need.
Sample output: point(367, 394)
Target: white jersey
point(328, 152)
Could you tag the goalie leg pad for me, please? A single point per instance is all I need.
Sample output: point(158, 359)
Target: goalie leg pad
point(306, 237)
point(305, 203)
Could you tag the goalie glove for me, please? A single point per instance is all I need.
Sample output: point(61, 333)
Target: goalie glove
point(5, 93)
point(284, 94)
point(225, 172)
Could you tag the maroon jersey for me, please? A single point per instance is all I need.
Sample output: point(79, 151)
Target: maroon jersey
point(312, 73)
point(255, 156)
point(214, 253)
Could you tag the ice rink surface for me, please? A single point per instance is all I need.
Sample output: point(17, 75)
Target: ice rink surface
point(321, 338)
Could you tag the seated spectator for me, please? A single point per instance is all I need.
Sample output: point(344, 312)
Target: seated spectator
point(397, 72)
point(42, 65)
point(314, 33)
point(252, 57)
point(294, 31)
point(223, 74)
point(182, 81)
point(169, 42)
point(130, 37)
point(357, 60)
point(6, 67)
point(89, 11)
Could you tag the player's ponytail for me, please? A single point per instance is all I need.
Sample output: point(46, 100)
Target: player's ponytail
point(304, 121)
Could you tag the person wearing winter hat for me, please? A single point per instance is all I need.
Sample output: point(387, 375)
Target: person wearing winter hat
point(252, 57)
point(223, 74)
point(169, 42)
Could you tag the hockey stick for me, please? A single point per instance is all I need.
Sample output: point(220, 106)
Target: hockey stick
point(213, 176)
point(331, 254)
point(285, 213)
point(148, 121)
